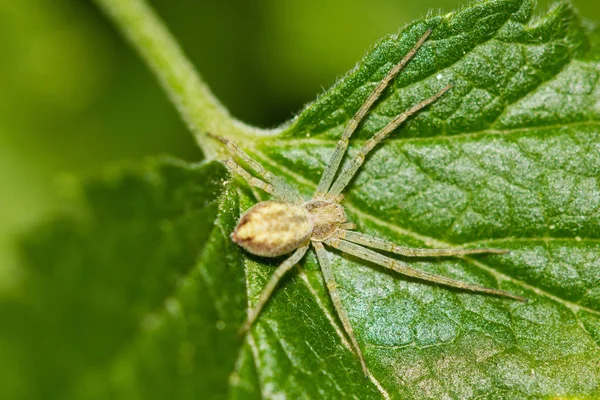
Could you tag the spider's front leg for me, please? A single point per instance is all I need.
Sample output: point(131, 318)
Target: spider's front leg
point(385, 245)
point(402, 268)
point(342, 145)
point(347, 174)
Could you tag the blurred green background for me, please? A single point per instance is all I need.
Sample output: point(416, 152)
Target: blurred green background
point(75, 98)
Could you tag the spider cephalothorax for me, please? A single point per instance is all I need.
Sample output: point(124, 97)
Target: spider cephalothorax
point(327, 217)
point(292, 225)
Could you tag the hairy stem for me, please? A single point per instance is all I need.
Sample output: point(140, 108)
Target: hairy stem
point(198, 107)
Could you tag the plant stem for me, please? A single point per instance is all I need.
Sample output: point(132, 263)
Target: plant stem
point(198, 107)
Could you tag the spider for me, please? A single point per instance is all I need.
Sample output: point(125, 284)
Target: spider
point(290, 224)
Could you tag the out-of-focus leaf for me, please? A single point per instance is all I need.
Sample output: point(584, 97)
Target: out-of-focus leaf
point(120, 294)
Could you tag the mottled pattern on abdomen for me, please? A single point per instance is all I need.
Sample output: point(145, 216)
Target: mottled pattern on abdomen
point(272, 228)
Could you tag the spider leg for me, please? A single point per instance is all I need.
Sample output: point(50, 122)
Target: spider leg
point(395, 265)
point(234, 168)
point(342, 144)
point(337, 303)
point(382, 244)
point(265, 295)
point(346, 175)
point(280, 188)
point(348, 225)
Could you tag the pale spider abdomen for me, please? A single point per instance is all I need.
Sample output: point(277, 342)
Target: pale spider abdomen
point(272, 228)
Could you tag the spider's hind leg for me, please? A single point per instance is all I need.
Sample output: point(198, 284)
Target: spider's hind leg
point(234, 168)
point(280, 188)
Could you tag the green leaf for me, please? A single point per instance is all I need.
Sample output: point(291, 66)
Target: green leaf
point(510, 158)
point(120, 294)
point(138, 292)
